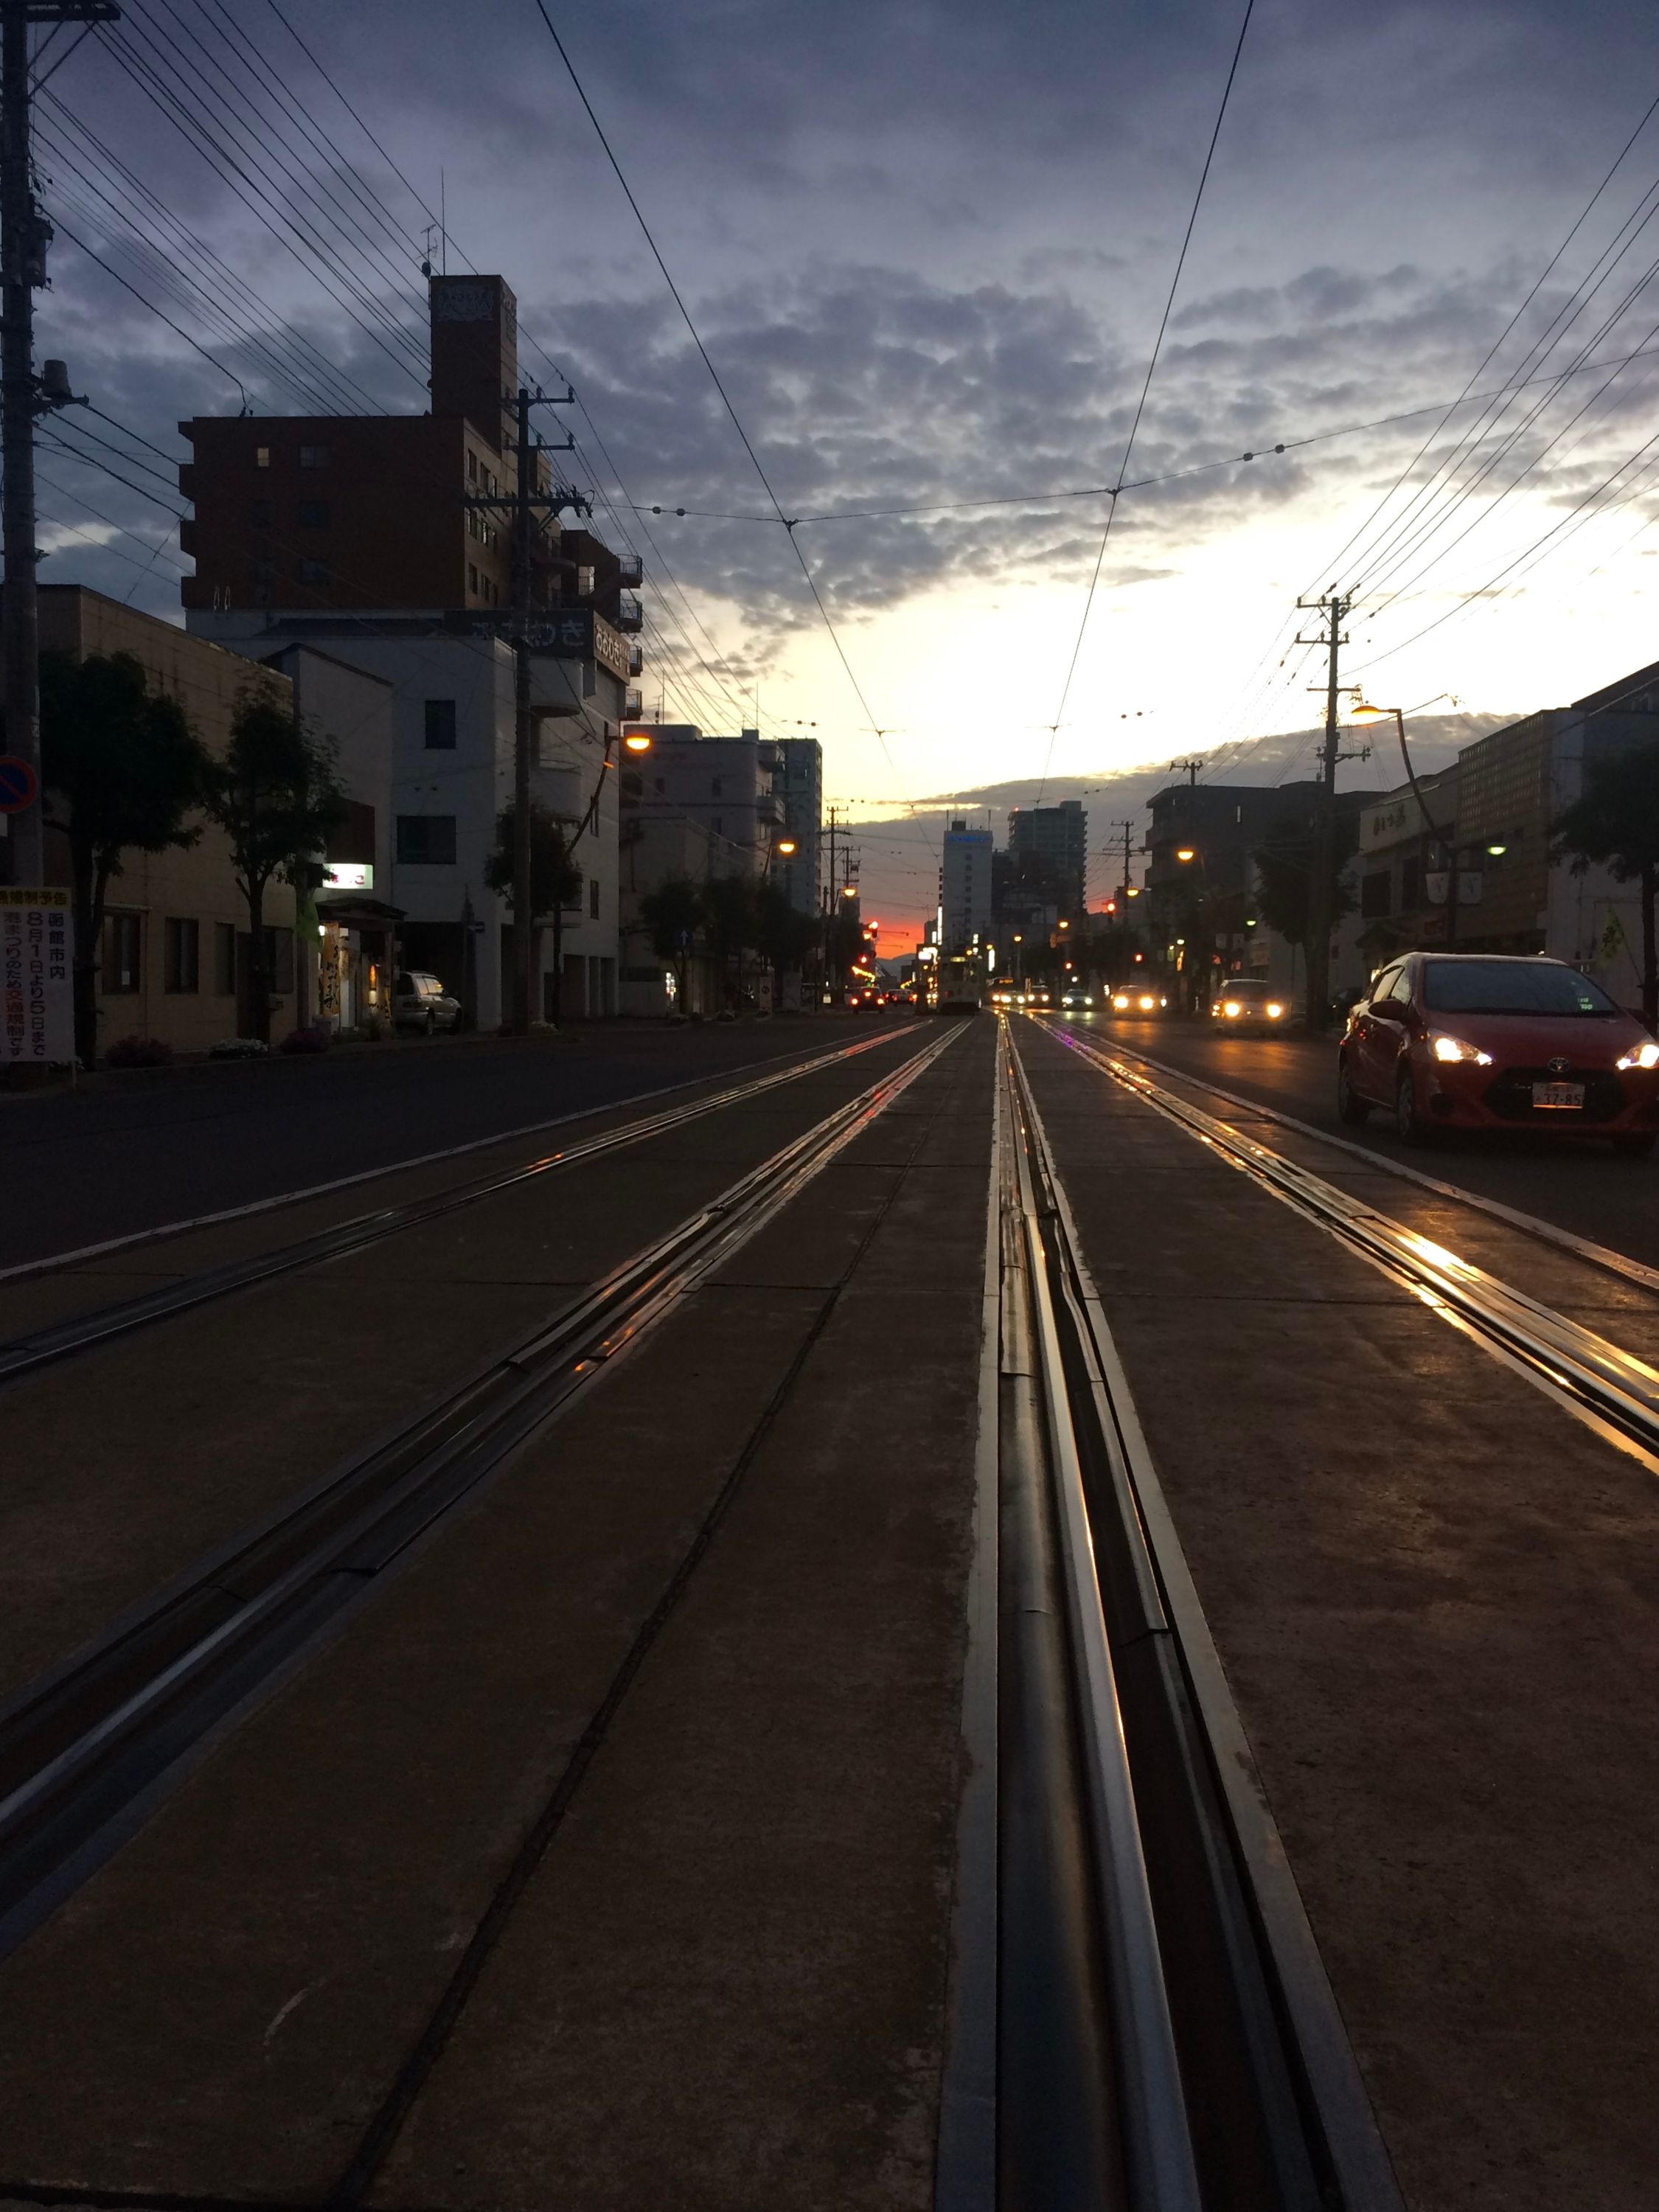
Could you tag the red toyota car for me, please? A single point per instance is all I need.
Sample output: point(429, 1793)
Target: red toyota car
point(1477, 1040)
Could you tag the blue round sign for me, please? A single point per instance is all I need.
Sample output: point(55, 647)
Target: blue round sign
point(20, 787)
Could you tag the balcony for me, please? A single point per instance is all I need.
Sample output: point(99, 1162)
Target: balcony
point(636, 660)
point(630, 615)
point(630, 570)
point(632, 707)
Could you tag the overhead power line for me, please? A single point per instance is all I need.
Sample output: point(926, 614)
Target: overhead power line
point(1146, 386)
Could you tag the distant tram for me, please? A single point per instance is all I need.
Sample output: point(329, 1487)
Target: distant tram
point(961, 986)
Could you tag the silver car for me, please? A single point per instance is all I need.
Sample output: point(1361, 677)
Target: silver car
point(419, 1002)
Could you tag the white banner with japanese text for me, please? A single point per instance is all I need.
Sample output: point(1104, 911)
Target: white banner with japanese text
point(37, 1010)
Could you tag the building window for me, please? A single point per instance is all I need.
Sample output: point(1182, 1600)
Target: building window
point(440, 725)
point(714, 786)
point(426, 841)
point(315, 572)
point(262, 457)
point(1411, 884)
point(265, 572)
point(259, 514)
point(313, 514)
point(592, 898)
point(182, 955)
point(224, 959)
point(471, 466)
point(471, 578)
point(123, 946)
point(279, 958)
point(313, 457)
point(1374, 895)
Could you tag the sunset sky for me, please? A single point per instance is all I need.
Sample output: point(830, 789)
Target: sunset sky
point(927, 247)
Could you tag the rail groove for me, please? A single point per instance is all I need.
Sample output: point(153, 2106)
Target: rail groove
point(85, 1751)
point(1231, 2080)
point(100, 1325)
point(1611, 1389)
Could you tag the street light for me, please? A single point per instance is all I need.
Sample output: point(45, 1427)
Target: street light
point(1186, 852)
point(637, 741)
point(786, 845)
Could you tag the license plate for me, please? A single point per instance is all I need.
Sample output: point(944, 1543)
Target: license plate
point(1556, 1096)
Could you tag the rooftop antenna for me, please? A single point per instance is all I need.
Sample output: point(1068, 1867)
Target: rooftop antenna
point(443, 225)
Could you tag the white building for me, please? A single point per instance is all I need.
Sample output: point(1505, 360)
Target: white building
point(964, 888)
point(452, 776)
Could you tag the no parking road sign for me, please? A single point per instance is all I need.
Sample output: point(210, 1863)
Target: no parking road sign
point(20, 787)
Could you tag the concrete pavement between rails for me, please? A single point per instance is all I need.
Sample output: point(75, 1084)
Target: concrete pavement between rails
point(721, 1977)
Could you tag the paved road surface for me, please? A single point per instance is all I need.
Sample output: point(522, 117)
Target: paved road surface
point(135, 1150)
point(1579, 1186)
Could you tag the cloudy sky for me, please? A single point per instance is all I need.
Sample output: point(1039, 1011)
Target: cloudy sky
point(927, 247)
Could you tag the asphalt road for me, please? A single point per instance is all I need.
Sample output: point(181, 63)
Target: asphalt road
point(131, 1151)
point(1578, 1186)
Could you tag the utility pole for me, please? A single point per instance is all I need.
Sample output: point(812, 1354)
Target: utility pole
point(1333, 607)
point(526, 503)
point(1128, 828)
point(24, 236)
point(1189, 768)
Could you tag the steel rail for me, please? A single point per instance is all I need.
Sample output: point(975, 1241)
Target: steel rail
point(87, 1749)
point(1529, 1225)
point(100, 1325)
point(1614, 1389)
point(1308, 2137)
point(1162, 2171)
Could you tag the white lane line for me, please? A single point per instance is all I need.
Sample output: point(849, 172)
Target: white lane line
point(1598, 1255)
point(395, 1167)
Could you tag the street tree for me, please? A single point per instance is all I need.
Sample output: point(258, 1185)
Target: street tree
point(1614, 823)
point(729, 923)
point(673, 913)
point(124, 771)
point(275, 796)
point(783, 935)
point(555, 881)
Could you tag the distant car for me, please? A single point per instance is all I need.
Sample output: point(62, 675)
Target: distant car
point(1077, 1001)
point(1037, 994)
point(1136, 998)
point(419, 1002)
point(1004, 992)
point(1479, 1041)
point(1245, 1004)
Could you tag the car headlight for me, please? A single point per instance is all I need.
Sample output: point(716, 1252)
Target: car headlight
point(1146, 1006)
point(1453, 1049)
point(1232, 1010)
point(1644, 1055)
point(1274, 1010)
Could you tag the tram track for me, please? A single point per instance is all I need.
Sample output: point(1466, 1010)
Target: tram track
point(104, 1324)
point(1613, 1390)
point(1215, 2069)
point(86, 1750)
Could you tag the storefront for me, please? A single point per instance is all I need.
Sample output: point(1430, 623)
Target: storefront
point(357, 957)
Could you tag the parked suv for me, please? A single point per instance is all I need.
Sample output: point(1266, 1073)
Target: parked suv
point(1477, 1040)
point(420, 1001)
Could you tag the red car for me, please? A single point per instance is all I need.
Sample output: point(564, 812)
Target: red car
point(1479, 1041)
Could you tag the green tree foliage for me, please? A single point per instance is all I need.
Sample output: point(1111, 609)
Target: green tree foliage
point(275, 796)
point(1614, 824)
point(729, 923)
point(783, 936)
point(673, 913)
point(123, 771)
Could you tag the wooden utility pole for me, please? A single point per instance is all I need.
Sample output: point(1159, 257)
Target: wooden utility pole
point(25, 234)
point(1333, 608)
point(527, 504)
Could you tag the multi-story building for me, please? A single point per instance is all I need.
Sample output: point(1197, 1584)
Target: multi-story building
point(731, 788)
point(388, 542)
point(1058, 837)
point(802, 789)
point(454, 729)
point(173, 963)
point(964, 888)
point(303, 513)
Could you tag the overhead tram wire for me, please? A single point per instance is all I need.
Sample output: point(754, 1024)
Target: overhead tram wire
point(293, 361)
point(322, 265)
point(713, 659)
point(726, 400)
point(1375, 576)
point(1331, 566)
point(1140, 405)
